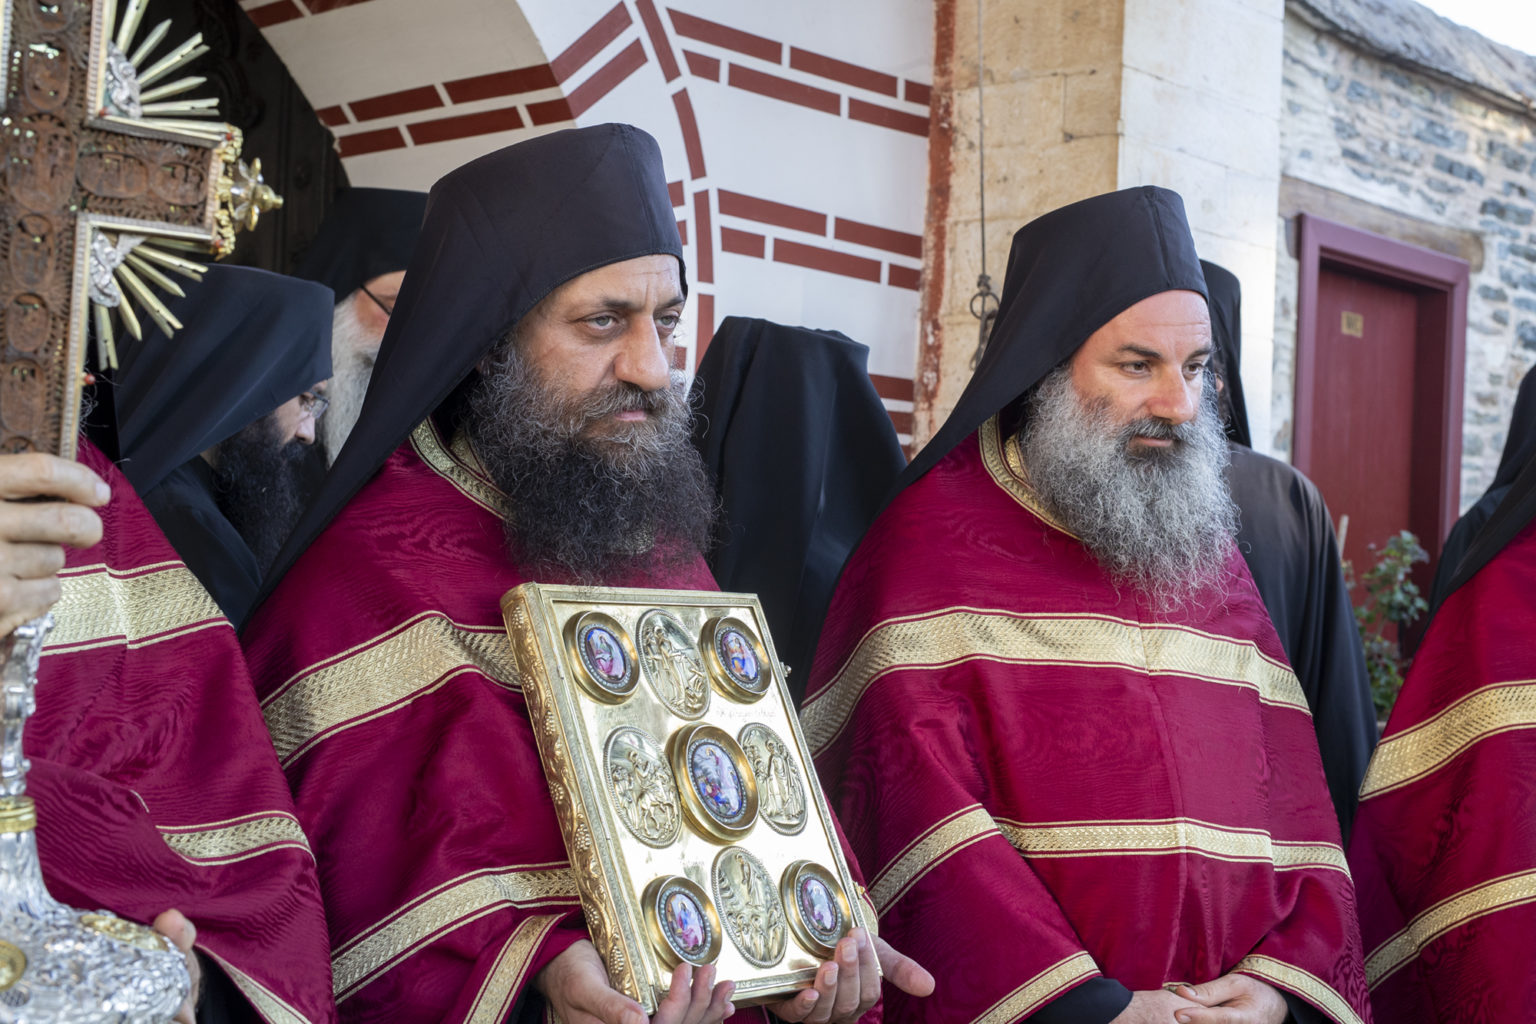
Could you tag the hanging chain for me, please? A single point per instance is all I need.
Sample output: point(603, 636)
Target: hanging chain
point(984, 302)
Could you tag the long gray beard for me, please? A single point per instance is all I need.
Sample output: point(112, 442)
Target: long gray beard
point(591, 507)
point(353, 351)
point(1160, 520)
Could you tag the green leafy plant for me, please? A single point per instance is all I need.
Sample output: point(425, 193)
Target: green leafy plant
point(1391, 597)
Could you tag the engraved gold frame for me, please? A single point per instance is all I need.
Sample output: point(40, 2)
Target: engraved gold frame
point(651, 900)
point(789, 886)
point(724, 679)
point(680, 752)
point(612, 868)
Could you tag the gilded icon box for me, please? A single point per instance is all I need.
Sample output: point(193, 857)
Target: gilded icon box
point(695, 825)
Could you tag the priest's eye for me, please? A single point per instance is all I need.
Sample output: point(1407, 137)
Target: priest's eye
point(1194, 370)
point(602, 321)
point(1139, 366)
point(669, 321)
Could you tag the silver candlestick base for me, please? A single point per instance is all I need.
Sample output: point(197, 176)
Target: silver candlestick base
point(58, 964)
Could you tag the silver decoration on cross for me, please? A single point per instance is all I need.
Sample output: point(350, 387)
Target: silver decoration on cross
point(106, 257)
point(57, 964)
point(122, 85)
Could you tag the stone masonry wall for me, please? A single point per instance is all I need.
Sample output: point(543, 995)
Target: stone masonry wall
point(1387, 134)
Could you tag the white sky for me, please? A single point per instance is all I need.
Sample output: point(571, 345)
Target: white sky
point(1511, 22)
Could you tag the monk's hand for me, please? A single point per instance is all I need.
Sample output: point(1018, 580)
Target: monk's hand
point(1233, 999)
point(32, 533)
point(1154, 1006)
point(849, 984)
point(175, 926)
point(576, 985)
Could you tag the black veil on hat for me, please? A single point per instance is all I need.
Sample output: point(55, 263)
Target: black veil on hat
point(366, 232)
point(1512, 495)
point(802, 452)
point(500, 233)
point(1069, 273)
point(251, 340)
point(1226, 302)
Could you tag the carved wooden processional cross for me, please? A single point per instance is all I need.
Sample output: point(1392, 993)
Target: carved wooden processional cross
point(113, 179)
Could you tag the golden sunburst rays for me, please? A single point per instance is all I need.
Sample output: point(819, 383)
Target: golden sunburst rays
point(130, 86)
point(122, 268)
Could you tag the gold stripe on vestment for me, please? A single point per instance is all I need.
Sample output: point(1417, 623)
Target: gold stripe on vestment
point(1414, 753)
point(1479, 901)
point(1160, 836)
point(458, 464)
point(928, 851)
point(438, 912)
point(272, 1009)
point(1302, 983)
point(1039, 990)
point(1005, 464)
point(953, 636)
point(224, 842)
point(103, 607)
point(499, 992)
point(380, 675)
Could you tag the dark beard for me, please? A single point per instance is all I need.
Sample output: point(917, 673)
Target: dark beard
point(259, 485)
point(1159, 519)
point(588, 498)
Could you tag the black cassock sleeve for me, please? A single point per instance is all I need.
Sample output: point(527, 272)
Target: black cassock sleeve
point(1287, 539)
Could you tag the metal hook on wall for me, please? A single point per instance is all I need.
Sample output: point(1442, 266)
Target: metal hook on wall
point(985, 302)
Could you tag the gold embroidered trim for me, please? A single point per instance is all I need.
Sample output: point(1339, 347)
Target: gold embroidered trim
point(103, 607)
point(501, 986)
point(1414, 753)
point(952, 636)
point(1303, 983)
point(224, 842)
point(1005, 464)
point(271, 1008)
point(1159, 836)
point(381, 675)
point(459, 465)
point(1039, 990)
point(1479, 901)
point(434, 914)
point(928, 851)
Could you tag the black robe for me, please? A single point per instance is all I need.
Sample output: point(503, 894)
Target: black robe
point(1287, 539)
point(184, 506)
point(802, 451)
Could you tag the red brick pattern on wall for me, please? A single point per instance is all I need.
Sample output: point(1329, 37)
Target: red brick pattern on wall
point(687, 51)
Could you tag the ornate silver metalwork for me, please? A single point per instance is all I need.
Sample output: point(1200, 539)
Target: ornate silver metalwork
point(780, 791)
point(57, 964)
point(748, 903)
point(672, 664)
point(106, 257)
point(640, 781)
point(122, 84)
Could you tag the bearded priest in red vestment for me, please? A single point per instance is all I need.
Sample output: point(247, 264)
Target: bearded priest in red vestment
point(154, 779)
point(1052, 711)
point(1444, 849)
point(521, 424)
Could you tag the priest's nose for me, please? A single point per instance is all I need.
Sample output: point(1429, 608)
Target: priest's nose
point(1176, 400)
point(642, 361)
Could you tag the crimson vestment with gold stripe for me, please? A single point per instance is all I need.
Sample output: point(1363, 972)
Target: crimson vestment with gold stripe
point(1444, 850)
point(153, 774)
point(1048, 781)
point(389, 688)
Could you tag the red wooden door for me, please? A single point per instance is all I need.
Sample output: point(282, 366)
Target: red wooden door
point(1367, 369)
